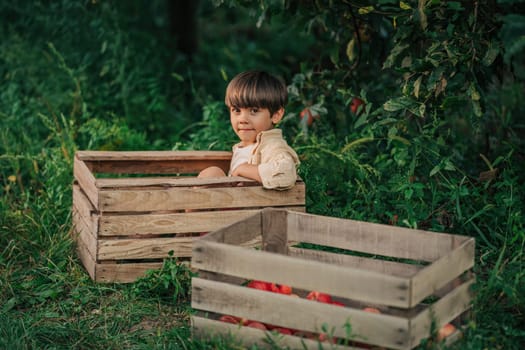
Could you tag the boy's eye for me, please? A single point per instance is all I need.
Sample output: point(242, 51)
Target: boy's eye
point(254, 110)
point(235, 109)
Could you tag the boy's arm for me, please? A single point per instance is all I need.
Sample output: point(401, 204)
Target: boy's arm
point(249, 171)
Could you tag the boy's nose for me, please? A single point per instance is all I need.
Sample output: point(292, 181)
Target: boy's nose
point(243, 117)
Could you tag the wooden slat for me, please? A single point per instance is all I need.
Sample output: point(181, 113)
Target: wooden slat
point(444, 310)
point(128, 183)
point(84, 235)
point(433, 277)
point(370, 238)
point(85, 210)
point(152, 155)
point(151, 223)
point(144, 248)
point(352, 283)
point(248, 337)
point(86, 180)
point(274, 232)
point(124, 273)
point(369, 264)
point(83, 253)
point(238, 232)
point(298, 313)
point(154, 162)
point(198, 198)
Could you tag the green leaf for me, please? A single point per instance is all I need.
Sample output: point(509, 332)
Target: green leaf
point(365, 10)
point(360, 121)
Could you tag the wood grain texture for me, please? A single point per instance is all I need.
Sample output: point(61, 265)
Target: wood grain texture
point(206, 328)
point(154, 162)
point(144, 248)
point(298, 313)
point(367, 286)
point(86, 180)
point(370, 238)
point(198, 198)
point(124, 273)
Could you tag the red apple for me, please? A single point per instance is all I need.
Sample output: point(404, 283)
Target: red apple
point(372, 310)
point(285, 289)
point(258, 325)
point(445, 331)
point(307, 112)
point(320, 297)
point(230, 319)
point(354, 105)
point(261, 285)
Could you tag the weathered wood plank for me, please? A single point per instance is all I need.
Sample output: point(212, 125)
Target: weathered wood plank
point(85, 210)
point(206, 328)
point(444, 310)
point(238, 232)
point(352, 283)
point(84, 234)
point(298, 313)
point(144, 248)
point(370, 238)
point(433, 277)
point(152, 155)
point(198, 198)
point(124, 273)
point(83, 253)
point(86, 180)
point(154, 162)
point(151, 223)
point(274, 232)
point(370, 264)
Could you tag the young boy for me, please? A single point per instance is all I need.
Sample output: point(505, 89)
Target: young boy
point(256, 102)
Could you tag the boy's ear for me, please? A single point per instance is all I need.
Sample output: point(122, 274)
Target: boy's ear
point(278, 116)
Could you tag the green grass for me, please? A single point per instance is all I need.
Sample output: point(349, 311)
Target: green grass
point(98, 75)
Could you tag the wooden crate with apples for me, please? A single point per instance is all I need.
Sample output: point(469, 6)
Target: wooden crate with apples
point(132, 209)
point(322, 281)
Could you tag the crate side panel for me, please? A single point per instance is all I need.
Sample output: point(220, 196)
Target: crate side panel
point(198, 198)
point(206, 328)
point(444, 310)
point(298, 313)
point(442, 271)
point(370, 238)
point(153, 162)
point(82, 251)
point(144, 248)
point(274, 231)
point(86, 181)
point(163, 182)
point(239, 232)
point(366, 286)
point(124, 273)
point(85, 210)
point(152, 223)
point(369, 264)
point(84, 235)
point(152, 155)
point(188, 166)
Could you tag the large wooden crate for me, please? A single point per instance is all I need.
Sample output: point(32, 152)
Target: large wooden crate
point(419, 280)
point(131, 209)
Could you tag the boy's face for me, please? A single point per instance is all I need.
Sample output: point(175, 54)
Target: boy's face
point(249, 122)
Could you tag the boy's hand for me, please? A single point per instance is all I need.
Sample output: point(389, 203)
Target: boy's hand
point(249, 171)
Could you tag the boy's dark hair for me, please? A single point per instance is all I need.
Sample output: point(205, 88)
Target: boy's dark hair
point(256, 89)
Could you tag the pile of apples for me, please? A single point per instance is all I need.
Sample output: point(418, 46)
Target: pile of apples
point(286, 290)
point(444, 332)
